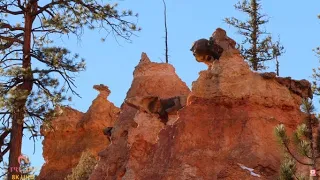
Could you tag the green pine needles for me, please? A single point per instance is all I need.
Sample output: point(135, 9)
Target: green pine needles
point(84, 168)
point(258, 46)
point(305, 148)
point(36, 76)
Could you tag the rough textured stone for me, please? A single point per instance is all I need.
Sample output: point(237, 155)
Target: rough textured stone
point(225, 130)
point(155, 79)
point(136, 131)
point(220, 37)
point(161, 106)
point(268, 75)
point(74, 132)
point(228, 121)
point(209, 51)
point(300, 87)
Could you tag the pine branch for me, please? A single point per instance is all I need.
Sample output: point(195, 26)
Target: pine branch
point(2, 138)
point(47, 6)
point(4, 9)
point(4, 58)
point(280, 133)
point(253, 48)
point(4, 152)
point(8, 26)
point(27, 86)
point(294, 157)
point(10, 40)
point(67, 79)
point(20, 5)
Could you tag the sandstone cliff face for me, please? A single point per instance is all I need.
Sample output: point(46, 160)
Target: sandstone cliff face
point(136, 132)
point(225, 129)
point(221, 129)
point(74, 132)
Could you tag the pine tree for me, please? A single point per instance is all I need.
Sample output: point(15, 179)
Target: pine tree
point(258, 45)
point(84, 168)
point(277, 50)
point(287, 168)
point(36, 75)
point(316, 74)
point(306, 140)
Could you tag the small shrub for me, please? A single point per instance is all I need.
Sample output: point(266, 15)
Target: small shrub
point(84, 168)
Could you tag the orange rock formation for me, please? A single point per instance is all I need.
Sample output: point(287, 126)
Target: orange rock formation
point(73, 133)
point(223, 131)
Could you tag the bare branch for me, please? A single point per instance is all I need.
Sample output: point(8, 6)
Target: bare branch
point(166, 30)
point(4, 9)
point(47, 6)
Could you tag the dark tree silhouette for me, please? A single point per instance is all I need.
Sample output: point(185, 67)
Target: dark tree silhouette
point(166, 30)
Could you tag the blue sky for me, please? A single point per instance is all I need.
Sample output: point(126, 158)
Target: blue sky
point(112, 64)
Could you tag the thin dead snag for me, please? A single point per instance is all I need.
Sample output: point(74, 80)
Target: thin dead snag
point(166, 30)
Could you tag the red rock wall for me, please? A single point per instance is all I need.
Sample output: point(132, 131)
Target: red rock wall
point(226, 127)
point(75, 132)
point(228, 124)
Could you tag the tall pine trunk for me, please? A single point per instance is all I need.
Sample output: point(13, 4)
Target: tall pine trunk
point(16, 140)
point(254, 34)
point(312, 145)
point(25, 88)
point(277, 66)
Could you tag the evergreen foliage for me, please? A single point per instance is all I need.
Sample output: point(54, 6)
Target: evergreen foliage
point(287, 168)
point(258, 45)
point(305, 142)
point(35, 74)
point(84, 168)
point(316, 74)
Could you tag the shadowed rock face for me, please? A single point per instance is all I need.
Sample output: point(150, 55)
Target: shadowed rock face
point(163, 107)
point(220, 38)
point(207, 51)
point(75, 132)
point(300, 87)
